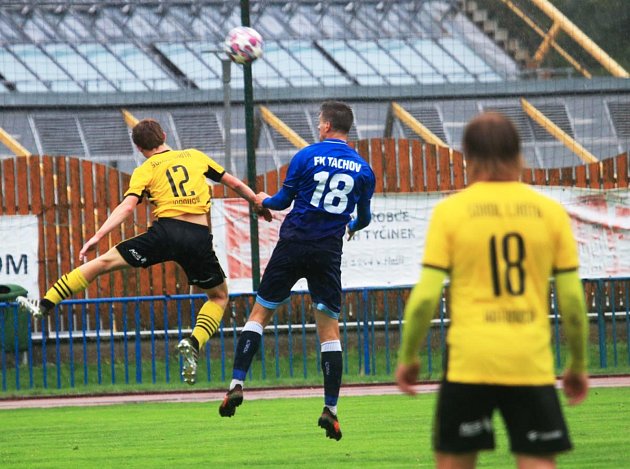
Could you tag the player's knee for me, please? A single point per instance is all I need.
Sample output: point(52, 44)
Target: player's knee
point(219, 295)
point(108, 262)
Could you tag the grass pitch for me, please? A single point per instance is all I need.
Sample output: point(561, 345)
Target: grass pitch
point(378, 431)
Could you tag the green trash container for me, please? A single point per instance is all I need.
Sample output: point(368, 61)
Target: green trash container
point(8, 294)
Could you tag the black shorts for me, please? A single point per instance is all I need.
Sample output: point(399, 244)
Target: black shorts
point(188, 244)
point(319, 262)
point(532, 415)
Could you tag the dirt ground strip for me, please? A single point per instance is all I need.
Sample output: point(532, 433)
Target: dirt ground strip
point(251, 394)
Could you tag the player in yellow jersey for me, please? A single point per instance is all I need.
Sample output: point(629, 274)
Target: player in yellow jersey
point(499, 241)
point(175, 182)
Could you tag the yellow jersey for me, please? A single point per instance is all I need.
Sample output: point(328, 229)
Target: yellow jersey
point(500, 243)
point(175, 182)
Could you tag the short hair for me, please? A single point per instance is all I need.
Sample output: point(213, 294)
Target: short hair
point(338, 114)
point(491, 136)
point(147, 134)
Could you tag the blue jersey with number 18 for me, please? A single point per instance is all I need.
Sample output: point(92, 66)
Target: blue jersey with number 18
point(327, 180)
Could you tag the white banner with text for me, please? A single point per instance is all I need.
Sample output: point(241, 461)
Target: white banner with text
point(389, 250)
point(19, 245)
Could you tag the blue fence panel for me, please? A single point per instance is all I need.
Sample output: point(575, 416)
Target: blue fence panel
point(388, 369)
point(627, 317)
point(614, 325)
point(30, 353)
point(601, 324)
point(290, 337)
point(3, 357)
point(92, 338)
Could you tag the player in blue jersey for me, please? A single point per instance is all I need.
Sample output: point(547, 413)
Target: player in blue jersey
point(326, 182)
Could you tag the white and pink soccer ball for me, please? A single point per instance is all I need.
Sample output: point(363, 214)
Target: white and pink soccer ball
point(243, 45)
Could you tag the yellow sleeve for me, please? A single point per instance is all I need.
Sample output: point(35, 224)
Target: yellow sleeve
point(215, 171)
point(436, 245)
point(419, 310)
point(140, 179)
point(566, 253)
point(573, 311)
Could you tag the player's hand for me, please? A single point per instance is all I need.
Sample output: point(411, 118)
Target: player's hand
point(575, 386)
point(350, 233)
point(407, 376)
point(260, 197)
point(88, 246)
point(265, 213)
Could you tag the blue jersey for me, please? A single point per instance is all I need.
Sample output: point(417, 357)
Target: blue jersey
point(327, 180)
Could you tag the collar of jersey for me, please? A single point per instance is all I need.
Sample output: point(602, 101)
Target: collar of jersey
point(335, 140)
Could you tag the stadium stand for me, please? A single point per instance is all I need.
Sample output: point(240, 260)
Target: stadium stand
point(68, 67)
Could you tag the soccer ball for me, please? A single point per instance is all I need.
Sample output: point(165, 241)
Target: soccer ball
point(243, 45)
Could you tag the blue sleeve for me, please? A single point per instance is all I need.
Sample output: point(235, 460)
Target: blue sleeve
point(280, 201)
point(295, 169)
point(363, 218)
point(285, 196)
point(364, 213)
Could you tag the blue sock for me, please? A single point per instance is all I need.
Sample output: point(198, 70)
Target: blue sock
point(247, 346)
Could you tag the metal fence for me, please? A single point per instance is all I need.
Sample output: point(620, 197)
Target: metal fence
point(130, 342)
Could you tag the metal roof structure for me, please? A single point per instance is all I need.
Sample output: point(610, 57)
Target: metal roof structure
point(114, 46)
point(68, 67)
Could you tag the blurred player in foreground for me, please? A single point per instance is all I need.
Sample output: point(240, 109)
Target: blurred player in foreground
point(175, 182)
point(325, 181)
point(499, 241)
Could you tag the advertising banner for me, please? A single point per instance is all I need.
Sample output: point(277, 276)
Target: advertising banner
point(389, 250)
point(19, 244)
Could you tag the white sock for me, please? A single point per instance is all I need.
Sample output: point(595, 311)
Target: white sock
point(254, 327)
point(331, 346)
point(234, 382)
point(333, 409)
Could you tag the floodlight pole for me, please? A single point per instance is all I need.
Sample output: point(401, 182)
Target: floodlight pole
point(226, 78)
point(251, 155)
point(227, 112)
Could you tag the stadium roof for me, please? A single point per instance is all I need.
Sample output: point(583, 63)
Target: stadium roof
point(116, 46)
point(67, 67)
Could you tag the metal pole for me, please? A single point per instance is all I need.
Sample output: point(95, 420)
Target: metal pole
point(582, 39)
point(227, 114)
point(251, 155)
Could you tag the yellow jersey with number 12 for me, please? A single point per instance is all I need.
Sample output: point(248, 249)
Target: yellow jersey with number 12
point(500, 243)
point(175, 182)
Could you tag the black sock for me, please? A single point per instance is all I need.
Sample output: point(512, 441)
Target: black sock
point(194, 342)
point(46, 306)
point(247, 346)
point(332, 367)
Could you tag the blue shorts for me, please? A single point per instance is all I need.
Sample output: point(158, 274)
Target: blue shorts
point(319, 262)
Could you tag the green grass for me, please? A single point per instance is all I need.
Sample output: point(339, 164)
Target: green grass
point(379, 431)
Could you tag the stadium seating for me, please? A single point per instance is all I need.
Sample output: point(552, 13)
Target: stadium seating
point(68, 67)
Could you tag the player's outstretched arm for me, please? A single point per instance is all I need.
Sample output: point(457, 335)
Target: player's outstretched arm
point(419, 309)
point(280, 201)
point(246, 193)
point(118, 215)
point(575, 324)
